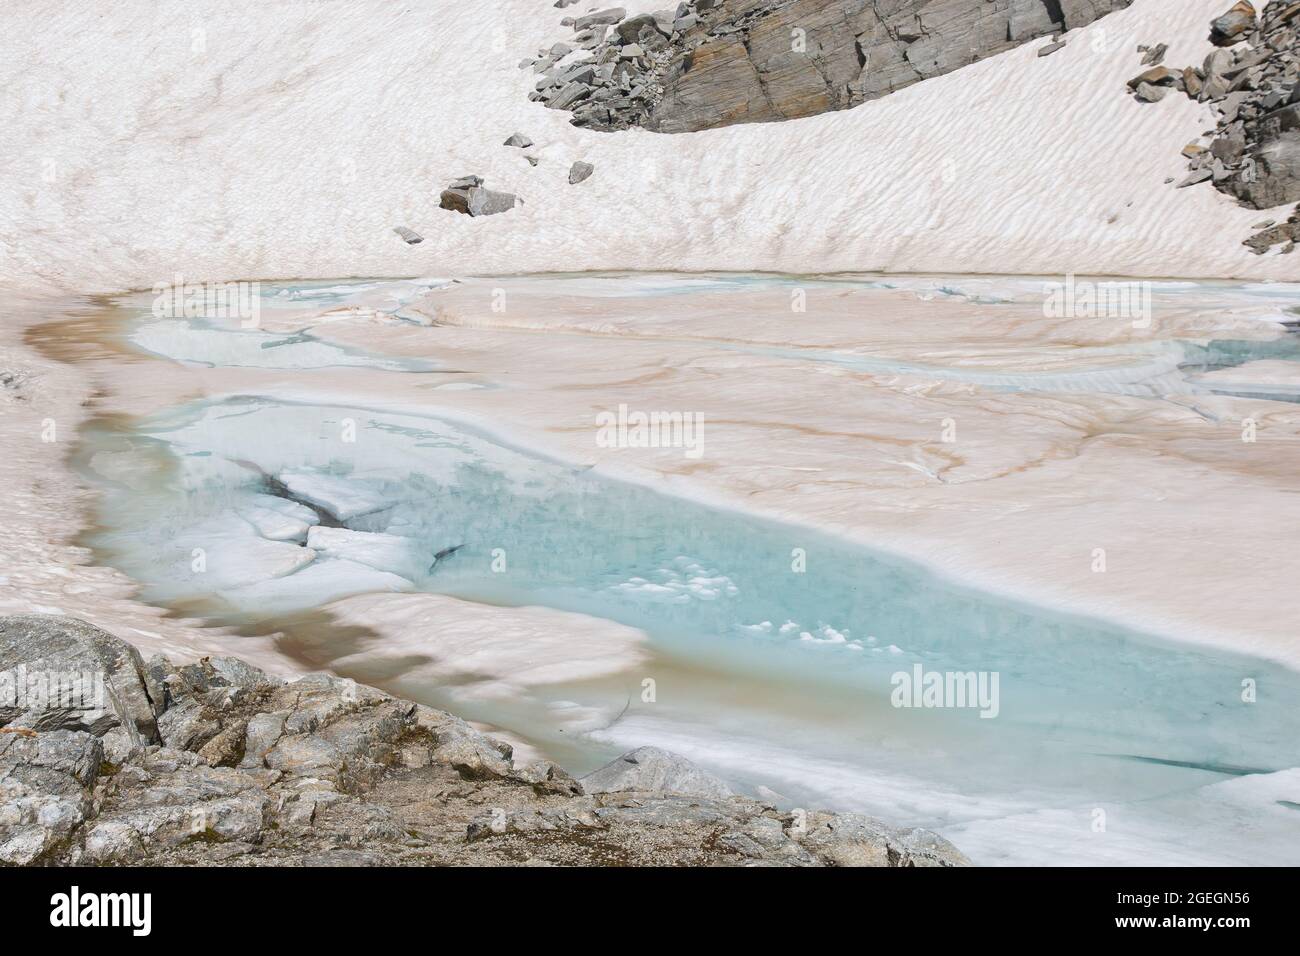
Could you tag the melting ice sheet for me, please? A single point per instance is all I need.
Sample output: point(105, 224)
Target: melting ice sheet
point(1106, 746)
point(206, 343)
point(237, 341)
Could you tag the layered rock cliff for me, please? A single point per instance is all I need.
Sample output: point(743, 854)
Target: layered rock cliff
point(711, 63)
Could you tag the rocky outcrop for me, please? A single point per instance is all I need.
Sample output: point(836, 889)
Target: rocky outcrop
point(710, 63)
point(240, 767)
point(60, 674)
point(1270, 234)
point(1253, 82)
point(649, 768)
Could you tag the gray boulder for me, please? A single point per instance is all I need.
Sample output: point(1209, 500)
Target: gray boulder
point(569, 95)
point(1233, 26)
point(409, 236)
point(652, 769)
point(580, 171)
point(74, 676)
point(602, 17)
point(629, 31)
point(458, 745)
point(469, 197)
point(1147, 93)
point(45, 782)
point(850, 839)
point(546, 777)
point(1275, 151)
point(188, 726)
point(1155, 55)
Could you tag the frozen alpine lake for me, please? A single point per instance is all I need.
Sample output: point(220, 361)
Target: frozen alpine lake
point(358, 482)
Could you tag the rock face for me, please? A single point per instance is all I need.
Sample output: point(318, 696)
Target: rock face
point(710, 63)
point(1254, 152)
point(321, 771)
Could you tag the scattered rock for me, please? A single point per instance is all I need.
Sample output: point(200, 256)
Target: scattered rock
point(1272, 234)
point(612, 15)
point(1197, 176)
point(1155, 55)
point(1051, 48)
point(1254, 153)
point(519, 140)
point(1148, 93)
point(1160, 76)
point(409, 236)
point(580, 171)
point(467, 195)
point(1233, 26)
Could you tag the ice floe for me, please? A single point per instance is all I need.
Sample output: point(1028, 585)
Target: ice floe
point(384, 552)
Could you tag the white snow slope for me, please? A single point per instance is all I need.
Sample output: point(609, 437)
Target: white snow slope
point(259, 139)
